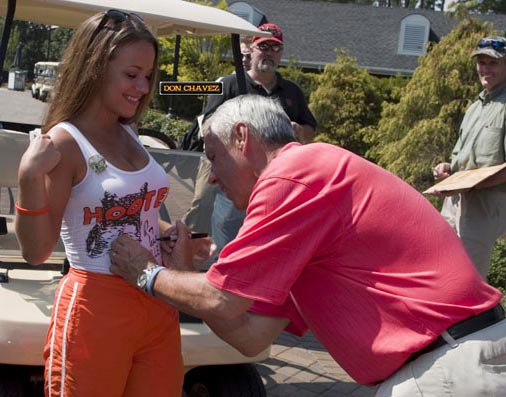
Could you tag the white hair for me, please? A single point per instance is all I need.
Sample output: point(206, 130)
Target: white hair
point(266, 115)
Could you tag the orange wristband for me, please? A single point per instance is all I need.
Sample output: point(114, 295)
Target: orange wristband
point(24, 211)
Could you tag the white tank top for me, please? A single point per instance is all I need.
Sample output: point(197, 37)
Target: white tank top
point(109, 202)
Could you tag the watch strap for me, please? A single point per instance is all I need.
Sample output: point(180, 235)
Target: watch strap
point(151, 279)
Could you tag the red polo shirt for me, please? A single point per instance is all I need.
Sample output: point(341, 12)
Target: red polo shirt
point(345, 248)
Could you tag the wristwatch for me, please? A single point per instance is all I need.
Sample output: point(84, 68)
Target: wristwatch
point(147, 277)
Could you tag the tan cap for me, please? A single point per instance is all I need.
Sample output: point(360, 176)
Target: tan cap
point(494, 46)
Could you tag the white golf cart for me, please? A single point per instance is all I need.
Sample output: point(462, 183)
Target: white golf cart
point(213, 368)
point(44, 80)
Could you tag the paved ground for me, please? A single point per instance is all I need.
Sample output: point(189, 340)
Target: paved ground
point(20, 107)
point(298, 367)
point(301, 367)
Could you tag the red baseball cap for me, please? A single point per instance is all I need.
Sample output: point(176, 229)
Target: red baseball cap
point(277, 34)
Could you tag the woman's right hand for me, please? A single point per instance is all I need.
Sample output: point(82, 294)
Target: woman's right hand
point(40, 158)
point(38, 235)
point(441, 171)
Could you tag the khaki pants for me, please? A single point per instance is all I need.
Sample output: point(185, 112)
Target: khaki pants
point(475, 367)
point(479, 218)
point(198, 216)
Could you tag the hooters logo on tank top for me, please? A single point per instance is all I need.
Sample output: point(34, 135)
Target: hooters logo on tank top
point(119, 215)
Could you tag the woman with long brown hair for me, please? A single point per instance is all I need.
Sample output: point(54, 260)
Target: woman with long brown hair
point(88, 179)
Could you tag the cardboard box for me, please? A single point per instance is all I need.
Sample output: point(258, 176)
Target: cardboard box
point(464, 181)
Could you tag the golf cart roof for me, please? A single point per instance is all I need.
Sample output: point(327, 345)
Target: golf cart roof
point(165, 17)
point(47, 63)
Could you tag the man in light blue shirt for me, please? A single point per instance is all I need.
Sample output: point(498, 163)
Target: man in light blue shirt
point(479, 215)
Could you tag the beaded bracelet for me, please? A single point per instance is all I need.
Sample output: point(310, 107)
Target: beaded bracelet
point(24, 211)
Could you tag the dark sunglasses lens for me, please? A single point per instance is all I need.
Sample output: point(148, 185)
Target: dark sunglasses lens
point(117, 15)
point(273, 47)
point(134, 15)
point(121, 16)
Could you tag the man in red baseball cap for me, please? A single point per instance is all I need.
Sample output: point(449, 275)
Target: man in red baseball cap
point(261, 79)
point(266, 54)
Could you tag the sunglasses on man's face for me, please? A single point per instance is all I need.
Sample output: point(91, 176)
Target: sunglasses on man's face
point(273, 47)
point(114, 15)
point(246, 55)
point(496, 45)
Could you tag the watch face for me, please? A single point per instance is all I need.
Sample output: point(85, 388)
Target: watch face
point(142, 280)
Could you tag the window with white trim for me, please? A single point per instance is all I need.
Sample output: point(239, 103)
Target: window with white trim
point(414, 35)
point(248, 12)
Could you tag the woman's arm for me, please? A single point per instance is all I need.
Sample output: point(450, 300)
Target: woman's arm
point(46, 175)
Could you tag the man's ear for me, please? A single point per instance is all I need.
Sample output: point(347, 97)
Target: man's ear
point(241, 135)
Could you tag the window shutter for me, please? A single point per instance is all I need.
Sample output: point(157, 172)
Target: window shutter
point(413, 35)
point(414, 38)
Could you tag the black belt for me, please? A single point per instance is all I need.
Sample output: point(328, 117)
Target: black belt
point(464, 328)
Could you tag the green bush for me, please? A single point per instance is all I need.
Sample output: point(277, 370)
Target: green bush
point(497, 272)
point(420, 130)
point(307, 81)
point(345, 102)
point(185, 106)
point(201, 58)
point(175, 128)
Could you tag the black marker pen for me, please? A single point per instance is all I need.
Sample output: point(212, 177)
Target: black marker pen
point(191, 235)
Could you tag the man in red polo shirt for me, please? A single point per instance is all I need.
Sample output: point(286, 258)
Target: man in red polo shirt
point(340, 246)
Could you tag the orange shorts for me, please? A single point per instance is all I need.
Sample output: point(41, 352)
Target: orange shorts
point(108, 338)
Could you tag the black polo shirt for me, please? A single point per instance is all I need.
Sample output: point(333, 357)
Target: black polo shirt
point(287, 92)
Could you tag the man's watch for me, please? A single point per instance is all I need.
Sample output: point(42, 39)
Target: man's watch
point(147, 277)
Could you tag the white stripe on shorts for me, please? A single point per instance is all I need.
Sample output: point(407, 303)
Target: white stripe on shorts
point(64, 340)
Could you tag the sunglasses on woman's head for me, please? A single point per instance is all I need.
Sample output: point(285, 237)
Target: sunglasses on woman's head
point(117, 16)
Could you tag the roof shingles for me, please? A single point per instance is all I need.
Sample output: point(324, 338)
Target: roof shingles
point(312, 31)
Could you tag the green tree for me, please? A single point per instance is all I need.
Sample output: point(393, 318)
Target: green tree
point(483, 6)
point(33, 39)
point(348, 100)
point(174, 128)
point(497, 272)
point(420, 131)
point(60, 38)
point(307, 81)
point(201, 59)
